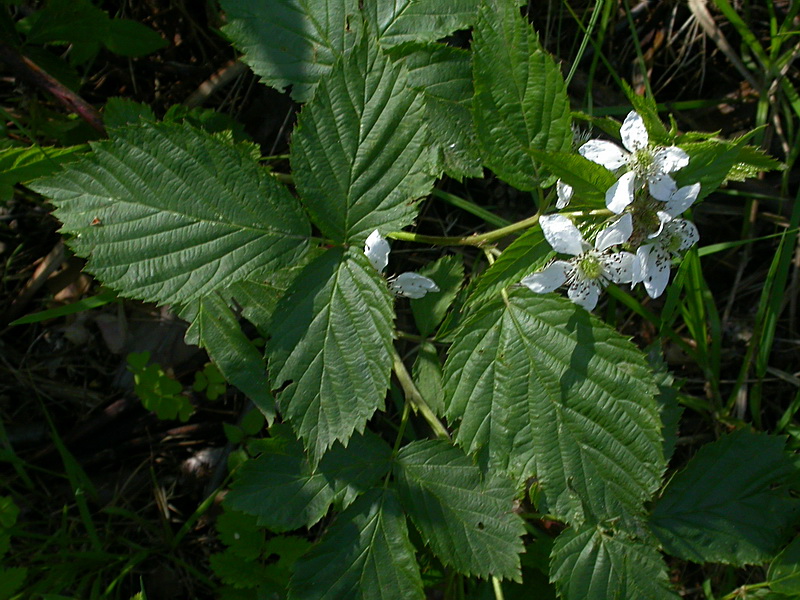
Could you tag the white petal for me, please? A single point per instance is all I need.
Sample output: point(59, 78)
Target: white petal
point(604, 153)
point(377, 250)
point(412, 285)
point(654, 269)
point(548, 279)
point(670, 159)
point(619, 266)
point(563, 236)
point(620, 194)
point(618, 233)
point(564, 192)
point(633, 132)
point(639, 271)
point(682, 199)
point(663, 219)
point(661, 186)
point(584, 292)
point(686, 230)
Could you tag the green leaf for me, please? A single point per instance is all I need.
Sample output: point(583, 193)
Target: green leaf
point(366, 554)
point(448, 273)
point(784, 572)
point(20, 165)
point(549, 390)
point(241, 533)
point(443, 76)
point(119, 112)
point(589, 181)
point(427, 373)
point(331, 350)
point(359, 152)
point(129, 38)
point(169, 213)
point(520, 101)
point(710, 163)
point(8, 512)
point(284, 492)
point(297, 42)
point(232, 569)
point(525, 255)
point(292, 42)
point(215, 328)
point(596, 563)
point(11, 580)
point(731, 503)
point(468, 521)
point(74, 21)
point(420, 20)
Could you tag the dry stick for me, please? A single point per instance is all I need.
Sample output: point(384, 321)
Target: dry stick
point(25, 69)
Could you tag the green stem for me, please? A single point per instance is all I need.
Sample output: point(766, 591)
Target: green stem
point(414, 398)
point(470, 240)
point(498, 588)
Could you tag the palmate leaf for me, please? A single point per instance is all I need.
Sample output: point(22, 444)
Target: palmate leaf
point(297, 42)
point(284, 492)
point(365, 555)
point(520, 101)
point(596, 563)
point(548, 390)
point(359, 152)
point(169, 213)
point(331, 348)
point(731, 504)
point(467, 520)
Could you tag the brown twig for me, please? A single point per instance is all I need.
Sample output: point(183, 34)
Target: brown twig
point(28, 71)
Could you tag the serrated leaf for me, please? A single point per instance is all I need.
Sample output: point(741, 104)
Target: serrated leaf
point(520, 101)
point(443, 76)
point(427, 373)
point(214, 327)
point(20, 165)
point(420, 20)
point(589, 181)
point(331, 350)
point(232, 569)
point(241, 533)
point(366, 554)
point(297, 42)
point(169, 213)
point(710, 163)
point(285, 493)
point(731, 503)
point(11, 580)
point(359, 153)
point(448, 273)
point(468, 521)
point(549, 390)
point(525, 255)
point(596, 563)
point(784, 572)
point(119, 112)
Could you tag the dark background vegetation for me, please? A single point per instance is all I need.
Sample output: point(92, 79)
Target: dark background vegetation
point(111, 498)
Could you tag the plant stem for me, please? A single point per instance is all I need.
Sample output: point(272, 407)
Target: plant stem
point(498, 588)
point(470, 240)
point(414, 398)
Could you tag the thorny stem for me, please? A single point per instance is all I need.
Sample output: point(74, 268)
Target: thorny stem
point(414, 398)
point(470, 240)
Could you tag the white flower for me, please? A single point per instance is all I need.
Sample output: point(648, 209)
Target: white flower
point(653, 260)
point(564, 192)
point(676, 205)
point(409, 285)
point(643, 160)
point(591, 269)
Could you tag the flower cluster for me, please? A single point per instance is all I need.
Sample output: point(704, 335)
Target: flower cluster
point(408, 285)
point(649, 232)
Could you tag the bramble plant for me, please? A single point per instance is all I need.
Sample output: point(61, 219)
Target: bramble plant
point(536, 410)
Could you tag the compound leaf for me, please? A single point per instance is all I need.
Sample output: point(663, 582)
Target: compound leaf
point(365, 555)
point(421, 20)
point(359, 152)
point(548, 390)
point(467, 520)
point(596, 563)
point(169, 213)
point(284, 492)
point(520, 101)
point(731, 503)
point(331, 348)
